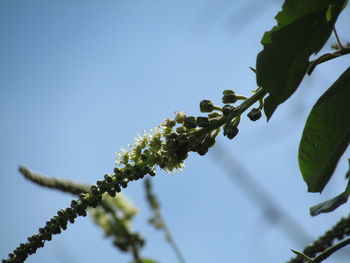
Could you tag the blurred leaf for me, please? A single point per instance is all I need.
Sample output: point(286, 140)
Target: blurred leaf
point(347, 175)
point(326, 134)
point(303, 28)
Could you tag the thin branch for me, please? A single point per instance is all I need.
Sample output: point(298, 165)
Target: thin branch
point(337, 38)
point(325, 254)
point(327, 57)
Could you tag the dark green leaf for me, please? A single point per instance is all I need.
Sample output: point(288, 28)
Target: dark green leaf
point(332, 204)
point(303, 28)
point(326, 134)
point(347, 175)
point(329, 205)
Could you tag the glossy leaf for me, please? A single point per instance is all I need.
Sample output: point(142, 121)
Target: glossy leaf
point(326, 134)
point(303, 28)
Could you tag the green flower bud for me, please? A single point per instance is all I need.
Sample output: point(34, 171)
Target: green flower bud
point(180, 117)
point(182, 139)
point(214, 115)
point(203, 121)
point(254, 114)
point(228, 92)
point(172, 136)
point(190, 122)
point(231, 98)
point(168, 123)
point(209, 141)
point(203, 149)
point(181, 129)
point(194, 142)
point(227, 109)
point(231, 131)
point(206, 106)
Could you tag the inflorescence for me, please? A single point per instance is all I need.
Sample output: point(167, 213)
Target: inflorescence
point(167, 147)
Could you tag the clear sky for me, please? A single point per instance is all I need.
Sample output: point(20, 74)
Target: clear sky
point(80, 79)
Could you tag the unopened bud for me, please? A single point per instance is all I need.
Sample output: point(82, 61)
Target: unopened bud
point(203, 121)
point(229, 97)
point(169, 123)
point(190, 122)
point(227, 109)
point(231, 131)
point(180, 116)
point(206, 106)
point(254, 114)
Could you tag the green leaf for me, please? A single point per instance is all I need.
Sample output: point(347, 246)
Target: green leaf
point(347, 175)
point(326, 134)
point(303, 28)
point(329, 205)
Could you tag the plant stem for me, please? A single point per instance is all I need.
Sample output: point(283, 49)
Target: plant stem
point(325, 254)
point(337, 38)
point(341, 52)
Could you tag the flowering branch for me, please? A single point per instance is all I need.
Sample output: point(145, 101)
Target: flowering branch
point(166, 147)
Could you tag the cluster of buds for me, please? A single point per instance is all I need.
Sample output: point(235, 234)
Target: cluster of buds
point(168, 145)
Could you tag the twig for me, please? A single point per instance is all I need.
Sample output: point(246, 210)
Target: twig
point(325, 254)
point(326, 57)
point(337, 38)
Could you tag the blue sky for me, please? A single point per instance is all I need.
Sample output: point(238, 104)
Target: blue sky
point(80, 79)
